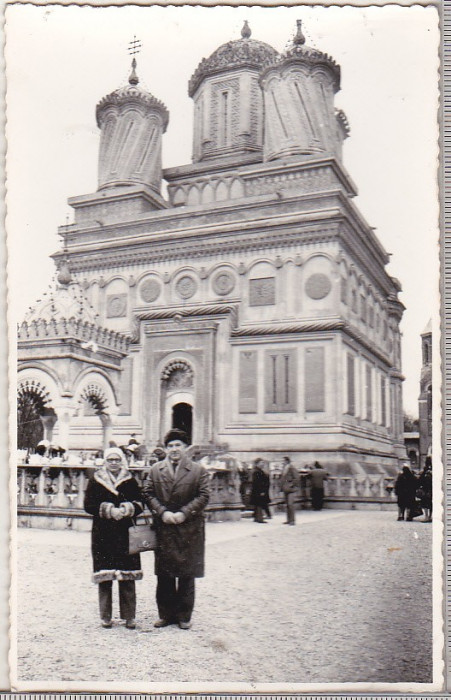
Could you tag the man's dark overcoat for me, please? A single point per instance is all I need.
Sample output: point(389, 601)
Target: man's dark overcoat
point(109, 538)
point(180, 548)
point(260, 488)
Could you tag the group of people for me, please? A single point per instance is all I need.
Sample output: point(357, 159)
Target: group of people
point(176, 491)
point(414, 493)
point(289, 484)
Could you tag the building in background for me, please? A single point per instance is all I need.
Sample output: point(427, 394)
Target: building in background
point(425, 399)
point(250, 307)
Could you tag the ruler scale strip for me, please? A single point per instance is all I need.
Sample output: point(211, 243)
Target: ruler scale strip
point(446, 309)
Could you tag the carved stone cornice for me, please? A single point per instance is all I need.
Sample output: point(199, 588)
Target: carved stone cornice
point(316, 326)
point(197, 247)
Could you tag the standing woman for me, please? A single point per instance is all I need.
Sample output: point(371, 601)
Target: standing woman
point(113, 497)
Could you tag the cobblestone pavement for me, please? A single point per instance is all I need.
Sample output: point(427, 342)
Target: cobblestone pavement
point(345, 596)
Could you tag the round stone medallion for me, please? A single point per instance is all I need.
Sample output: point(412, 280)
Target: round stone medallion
point(318, 286)
point(186, 287)
point(150, 290)
point(223, 283)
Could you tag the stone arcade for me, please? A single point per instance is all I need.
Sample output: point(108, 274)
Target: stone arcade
point(251, 306)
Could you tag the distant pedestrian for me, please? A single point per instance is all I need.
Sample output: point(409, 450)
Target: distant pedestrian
point(177, 492)
point(318, 475)
point(405, 489)
point(424, 493)
point(289, 482)
point(113, 498)
point(260, 490)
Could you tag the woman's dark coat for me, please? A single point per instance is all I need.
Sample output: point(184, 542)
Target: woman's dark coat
point(180, 548)
point(405, 488)
point(260, 488)
point(109, 538)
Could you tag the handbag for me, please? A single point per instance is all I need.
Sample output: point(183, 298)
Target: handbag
point(141, 537)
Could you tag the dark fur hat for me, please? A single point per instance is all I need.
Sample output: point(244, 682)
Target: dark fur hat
point(176, 434)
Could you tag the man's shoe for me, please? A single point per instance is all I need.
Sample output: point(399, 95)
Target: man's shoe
point(162, 623)
point(184, 625)
point(130, 624)
point(106, 623)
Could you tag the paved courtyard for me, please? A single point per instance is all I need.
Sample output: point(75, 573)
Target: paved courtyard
point(345, 596)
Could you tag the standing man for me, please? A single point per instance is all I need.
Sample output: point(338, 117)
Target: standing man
point(318, 476)
point(289, 482)
point(177, 491)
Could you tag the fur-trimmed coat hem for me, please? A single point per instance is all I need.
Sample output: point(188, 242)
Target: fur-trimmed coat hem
point(116, 575)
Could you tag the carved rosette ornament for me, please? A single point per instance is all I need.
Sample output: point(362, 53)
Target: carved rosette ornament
point(223, 283)
point(150, 290)
point(318, 286)
point(186, 287)
point(116, 305)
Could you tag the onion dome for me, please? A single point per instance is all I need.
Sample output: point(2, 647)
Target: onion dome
point(299, 90)
point(131, 95)
point(132, 122)
point(241, 53)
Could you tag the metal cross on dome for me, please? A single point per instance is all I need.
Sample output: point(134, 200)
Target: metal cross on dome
point(134, 47)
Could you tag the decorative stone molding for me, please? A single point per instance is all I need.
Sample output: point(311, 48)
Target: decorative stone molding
point(318, 286)
point(116, 305)
point(178, 374)
point(223, 283)
point(186, 286)
point(34, 387)
point(182, 312)
point(95, 395)
point(262, 291)
point(150, 290)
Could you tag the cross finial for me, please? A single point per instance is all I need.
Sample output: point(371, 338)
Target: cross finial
point(134, 48)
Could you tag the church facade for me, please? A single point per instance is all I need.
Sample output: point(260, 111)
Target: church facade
point(250, 305)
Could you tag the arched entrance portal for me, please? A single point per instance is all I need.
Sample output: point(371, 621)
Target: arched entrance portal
point(182, 418)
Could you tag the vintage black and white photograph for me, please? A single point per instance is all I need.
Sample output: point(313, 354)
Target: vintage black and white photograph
point(223, 293)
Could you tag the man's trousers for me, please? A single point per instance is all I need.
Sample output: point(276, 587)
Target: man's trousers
point(175, 598)
point(290, 503)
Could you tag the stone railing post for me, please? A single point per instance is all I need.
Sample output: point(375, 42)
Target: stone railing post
point(41, 498)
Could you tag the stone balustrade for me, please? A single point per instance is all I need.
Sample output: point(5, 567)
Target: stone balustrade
point(52, 496)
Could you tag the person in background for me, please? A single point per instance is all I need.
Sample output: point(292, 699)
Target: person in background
point(113, 498)
point(289, 482)
point(405, 489)
point(177, 492)
point(318, 475)
point(260, 490)
point(424, 492)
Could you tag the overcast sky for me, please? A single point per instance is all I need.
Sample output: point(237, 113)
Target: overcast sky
point(62, 60)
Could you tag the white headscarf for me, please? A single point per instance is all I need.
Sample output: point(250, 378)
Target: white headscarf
point(114, 451)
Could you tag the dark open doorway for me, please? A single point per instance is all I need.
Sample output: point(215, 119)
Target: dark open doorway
point(182, 418)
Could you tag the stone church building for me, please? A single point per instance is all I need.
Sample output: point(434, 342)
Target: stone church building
point(247, 300)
